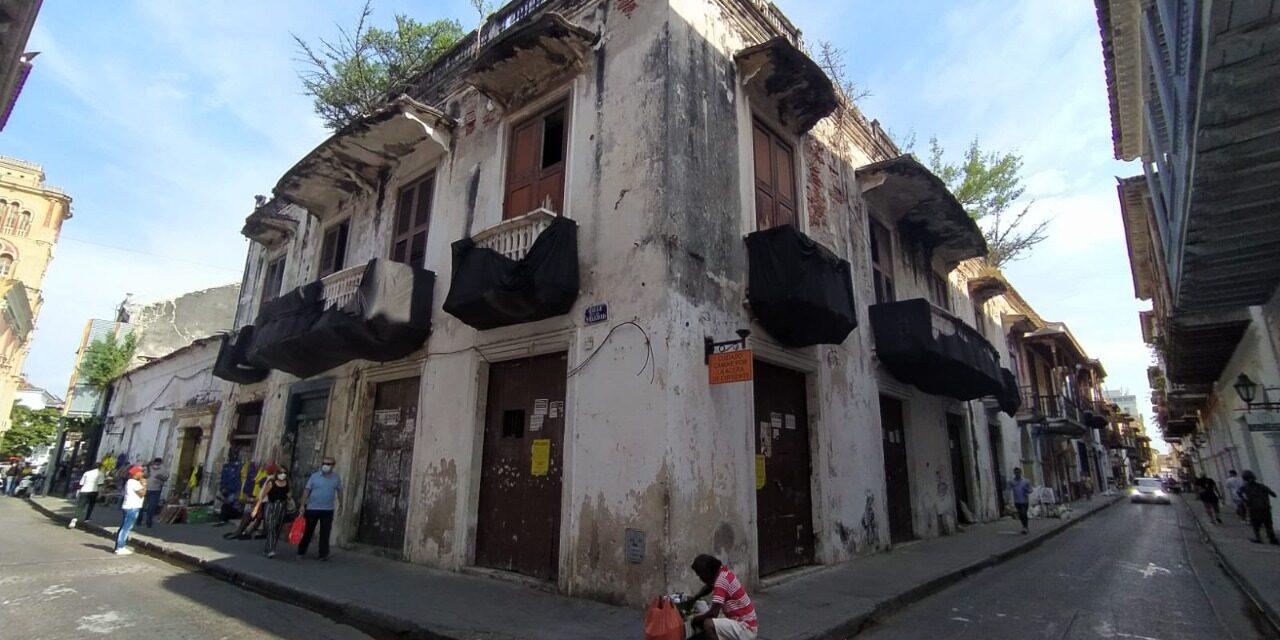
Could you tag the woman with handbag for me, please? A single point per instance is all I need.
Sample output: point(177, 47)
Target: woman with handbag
point(274, 499)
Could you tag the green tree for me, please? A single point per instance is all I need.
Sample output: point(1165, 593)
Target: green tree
point(106, 359)
point(987, 184)
point(352, 75)
point(29, 429)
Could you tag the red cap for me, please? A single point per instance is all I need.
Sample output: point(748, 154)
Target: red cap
point(135, 469)
point(272, 468)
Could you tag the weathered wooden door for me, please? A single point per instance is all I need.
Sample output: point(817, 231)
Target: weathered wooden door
point(784, 506)
point(518, 528)
point(390, 465)
point(995, 442)
point(896, 475)
point(303, 438)
point(959, 472)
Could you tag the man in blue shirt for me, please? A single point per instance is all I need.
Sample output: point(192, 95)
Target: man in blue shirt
point(321, 498)
point(1021, 490)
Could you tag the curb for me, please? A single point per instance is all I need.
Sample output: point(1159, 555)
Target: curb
point(901, 601)
point(1267, 611)
point(373, 622)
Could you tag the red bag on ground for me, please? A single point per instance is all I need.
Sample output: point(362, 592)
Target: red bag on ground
point(662, 621)
point(296, 529)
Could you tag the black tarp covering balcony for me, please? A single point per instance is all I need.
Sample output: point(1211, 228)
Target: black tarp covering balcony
point(489, 290)
point(389, 318)
point(233, 363)
point(933, 350)
point(799, 290)
point(1010, 397)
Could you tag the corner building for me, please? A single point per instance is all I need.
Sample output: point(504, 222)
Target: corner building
point(491, 302)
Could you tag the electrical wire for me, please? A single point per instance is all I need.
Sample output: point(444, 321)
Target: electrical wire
point(162, 392)
point(462, 350)
point(648, 356)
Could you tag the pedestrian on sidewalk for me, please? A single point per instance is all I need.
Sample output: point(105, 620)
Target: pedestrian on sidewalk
point(90, 483)
point(1257, 497)
point(1210, 496)
point(321, 498)
point(135, 490)
point(1021, 490)
point(11, 478)
point(251, 519)
point(727, 597)
point(156, 477)
point(1233, 485)
point(273, 501)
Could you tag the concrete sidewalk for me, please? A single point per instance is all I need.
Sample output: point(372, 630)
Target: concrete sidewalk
point(1255, 567)
point(390, 598)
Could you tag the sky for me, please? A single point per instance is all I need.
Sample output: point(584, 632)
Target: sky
point(163, 119)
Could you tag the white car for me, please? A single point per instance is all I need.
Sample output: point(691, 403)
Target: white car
point(1148, 490)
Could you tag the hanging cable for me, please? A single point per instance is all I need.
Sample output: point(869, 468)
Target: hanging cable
point(648, 356)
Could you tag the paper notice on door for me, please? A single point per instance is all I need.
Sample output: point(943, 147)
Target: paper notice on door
point(386, 417)
point(557, 409)
point(759, 472)
point(791, 421)
point(541, 458)
point(540, 407)
point(775, 420)
point(766, 440)
point(535, 422)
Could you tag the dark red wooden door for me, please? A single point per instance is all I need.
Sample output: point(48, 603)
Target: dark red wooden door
point(390, 464)
point(784, 505)
point(518, 527)
point(896, 475)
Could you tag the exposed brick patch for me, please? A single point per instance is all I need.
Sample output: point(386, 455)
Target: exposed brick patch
point(815, 159)
point(469, 122)
point(627, 7)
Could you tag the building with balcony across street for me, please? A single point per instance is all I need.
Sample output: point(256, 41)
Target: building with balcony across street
point(504, 303)
point(1192, 96)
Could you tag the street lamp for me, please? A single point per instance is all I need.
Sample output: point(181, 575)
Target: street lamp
point(1247, 389)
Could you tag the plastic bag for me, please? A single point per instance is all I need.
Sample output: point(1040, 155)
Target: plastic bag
point(297, 529)
point(662, 621)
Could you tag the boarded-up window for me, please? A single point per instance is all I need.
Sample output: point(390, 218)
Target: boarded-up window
point(881, 260)
point(413, 216)
point(775, 179)
point(333, 251)
point(535, 164)
point(273, 279)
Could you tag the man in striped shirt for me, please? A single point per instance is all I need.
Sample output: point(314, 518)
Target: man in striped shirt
point(727, 597)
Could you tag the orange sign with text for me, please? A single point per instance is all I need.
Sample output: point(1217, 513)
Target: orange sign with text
point(730, 366)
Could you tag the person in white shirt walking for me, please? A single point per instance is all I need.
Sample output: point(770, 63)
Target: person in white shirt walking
point(90, 483)
point(1233, 485)
point(135, 490)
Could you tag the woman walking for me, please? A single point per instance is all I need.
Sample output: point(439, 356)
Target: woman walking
point(273, 502)
point(1210, 496)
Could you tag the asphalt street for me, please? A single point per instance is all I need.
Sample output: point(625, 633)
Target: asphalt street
point(58, 583)
point(1132, 572)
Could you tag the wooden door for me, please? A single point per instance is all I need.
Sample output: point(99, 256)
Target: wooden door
point(536, 162)
point(995, 446)
point(390, 464)
point(303, 437)
point(518, 527)
point(896, 475)
point(774, 179)
point(959, 471)
point(784, 505)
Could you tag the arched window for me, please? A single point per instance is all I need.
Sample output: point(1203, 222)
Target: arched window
point(6, 264)
point(10, 220)
point(24, 223)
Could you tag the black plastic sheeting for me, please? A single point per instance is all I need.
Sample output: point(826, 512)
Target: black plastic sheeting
point(388, 319)
point(799, 290)
point(934, 351)
point(489, 290)
point(1010, 397)
point(233, 363)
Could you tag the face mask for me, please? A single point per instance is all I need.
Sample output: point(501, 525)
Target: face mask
point(280, 476)
point(326, 468)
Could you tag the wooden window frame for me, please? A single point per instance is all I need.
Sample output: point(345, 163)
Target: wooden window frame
point(772, 218)
point(558, 171)
point(939, 292)
point(341, 232)
point(881, 254)
point(410, 230)
point(267, 281)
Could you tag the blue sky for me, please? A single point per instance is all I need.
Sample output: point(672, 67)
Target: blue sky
point(163, 119)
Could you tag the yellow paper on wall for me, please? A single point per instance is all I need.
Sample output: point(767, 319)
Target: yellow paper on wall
point(541, 457)
point(759, 472)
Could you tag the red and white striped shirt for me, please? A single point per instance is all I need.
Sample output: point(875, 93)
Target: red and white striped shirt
point(733, 599)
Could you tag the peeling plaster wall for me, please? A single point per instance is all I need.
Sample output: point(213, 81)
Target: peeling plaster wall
point(166, 326)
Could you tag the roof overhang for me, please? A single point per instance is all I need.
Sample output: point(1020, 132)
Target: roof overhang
point(1120, 24)
point(522, 62)
point(986, 286)
point(795, 89)
point(909, 194)
point(1135, 212)
point(1017, 323)
point(1058, 336)
point(268, 227)
point(1198, 347)
point(350, 161)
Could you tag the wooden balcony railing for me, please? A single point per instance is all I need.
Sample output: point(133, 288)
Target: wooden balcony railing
point(513, 238)
point(341, 287)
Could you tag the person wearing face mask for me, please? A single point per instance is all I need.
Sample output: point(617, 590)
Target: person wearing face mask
point(321, 498)
point(156, 477)
point(273, 501)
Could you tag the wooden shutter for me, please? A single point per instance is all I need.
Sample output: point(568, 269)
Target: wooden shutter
point(333, 251)
point(522, 169)
point(413, 217)
point(774, 179)
point(536, 162)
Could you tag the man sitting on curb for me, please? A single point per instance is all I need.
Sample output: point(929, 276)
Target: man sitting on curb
point(728, 597)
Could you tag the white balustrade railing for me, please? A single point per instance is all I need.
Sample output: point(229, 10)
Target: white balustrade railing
point(341, 286)
point(513, 238)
